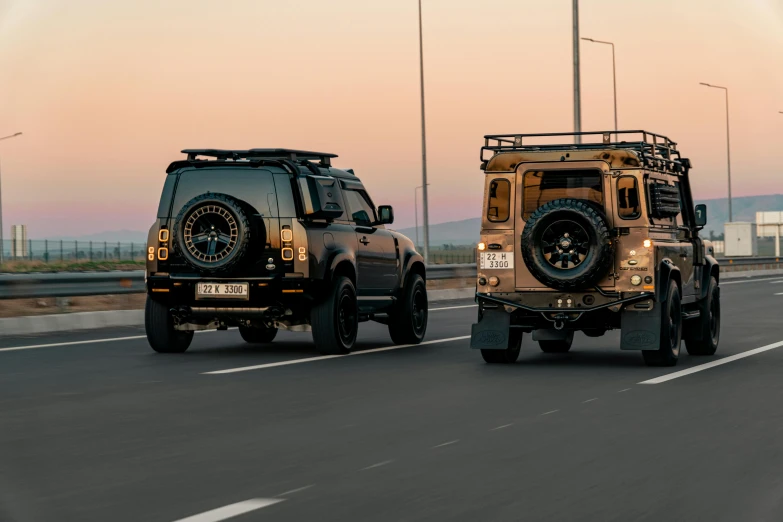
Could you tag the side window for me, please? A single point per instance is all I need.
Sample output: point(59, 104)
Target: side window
point(362, 212)
point(499, 200)
point(628, 197)
point(664, 202)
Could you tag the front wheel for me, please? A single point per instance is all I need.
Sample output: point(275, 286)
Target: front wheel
point(335, 319)
point(671, 332)
point(257, 335)
point(408, 320)
point(159, 325)
point(510, 354)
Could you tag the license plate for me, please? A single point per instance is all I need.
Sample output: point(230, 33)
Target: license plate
point(222, 291)
point(490, 260)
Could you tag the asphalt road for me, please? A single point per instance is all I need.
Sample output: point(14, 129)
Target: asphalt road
point(100, 428)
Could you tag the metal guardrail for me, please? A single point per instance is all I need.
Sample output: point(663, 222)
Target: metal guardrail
point(76, 284)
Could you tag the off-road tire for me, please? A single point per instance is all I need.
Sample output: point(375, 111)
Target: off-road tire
point(230, 204)
point(257, 335)
point(708, 323)
point(597, 259)
point(408, 319)
point(671, 332)
point(559, 346)
point(335, 318)
point(159, 325)
point(510, 354)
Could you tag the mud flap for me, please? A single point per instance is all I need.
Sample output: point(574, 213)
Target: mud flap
point(492, 331)
point(641, 329)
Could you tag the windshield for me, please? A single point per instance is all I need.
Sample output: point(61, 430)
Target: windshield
point(541, 187)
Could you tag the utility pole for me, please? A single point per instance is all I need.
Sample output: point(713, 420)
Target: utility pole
point(614, 79)
point(577, 96)
point(425, 213)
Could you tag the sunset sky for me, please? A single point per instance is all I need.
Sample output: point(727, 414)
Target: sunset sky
point(108, 92)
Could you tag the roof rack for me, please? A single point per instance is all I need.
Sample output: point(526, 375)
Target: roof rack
point(655, 150)
point(251, 154)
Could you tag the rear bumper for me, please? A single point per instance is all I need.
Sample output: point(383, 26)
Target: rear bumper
point(597, 317)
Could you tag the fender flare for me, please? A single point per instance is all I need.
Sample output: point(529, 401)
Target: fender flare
point(338, 257)
point(666, 271)
point(411, 258)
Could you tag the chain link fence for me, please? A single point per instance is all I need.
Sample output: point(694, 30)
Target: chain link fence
point(56, 250)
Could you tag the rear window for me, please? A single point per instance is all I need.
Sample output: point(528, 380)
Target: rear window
point(499, 200)
point(540, 187)
point(256, 187)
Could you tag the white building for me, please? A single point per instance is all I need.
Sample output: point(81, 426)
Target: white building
point(19, 241)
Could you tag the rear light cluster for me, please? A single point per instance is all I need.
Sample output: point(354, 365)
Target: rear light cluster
point(163, 250)
point(287, 236)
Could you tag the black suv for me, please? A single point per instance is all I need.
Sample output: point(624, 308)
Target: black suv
point(264, 239)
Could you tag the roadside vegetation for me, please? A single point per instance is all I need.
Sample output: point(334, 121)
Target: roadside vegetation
point(18, 266)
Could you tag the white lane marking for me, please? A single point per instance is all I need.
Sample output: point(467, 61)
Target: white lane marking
point(292, 491)
point(547, 413)
point(750, 281)
point(232, 510)
point(378, 465)
point(72, 343)
point(779, 293)
point(501, 427)
point(321, 358)
point(625, 390)
point(452, 307)
point(713, 364)
point(776, 282)
point(88, 341)
point(449, 443)
point(590, 400)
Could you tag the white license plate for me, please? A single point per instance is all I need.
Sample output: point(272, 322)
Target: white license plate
point(221, 291)
point(490, 260)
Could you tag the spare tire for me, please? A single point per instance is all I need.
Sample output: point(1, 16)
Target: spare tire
point(212, 232)
point(566, 244)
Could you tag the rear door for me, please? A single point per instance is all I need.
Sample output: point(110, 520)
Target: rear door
point(377, 253)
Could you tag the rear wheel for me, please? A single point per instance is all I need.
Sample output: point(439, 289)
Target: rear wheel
point(159, 325)
point(510, 354)
point(671, 332)
point(408, 321)
point(257, 335)
point(335, 319)
point(709, 324)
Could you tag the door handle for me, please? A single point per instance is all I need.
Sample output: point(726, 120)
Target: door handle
point(364, 240)
point(684, 256)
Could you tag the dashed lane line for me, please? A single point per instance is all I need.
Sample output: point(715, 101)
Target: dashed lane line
point(502, 427)
point(713, 364)
point(378, 465)
point(297, 490)
point(449, 443)
point(550, 412)
point(323, 357)
point(232, 510)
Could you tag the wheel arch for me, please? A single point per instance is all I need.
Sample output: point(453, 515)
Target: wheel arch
point(667, 271)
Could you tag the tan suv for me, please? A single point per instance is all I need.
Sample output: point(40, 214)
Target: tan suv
point(592, 236)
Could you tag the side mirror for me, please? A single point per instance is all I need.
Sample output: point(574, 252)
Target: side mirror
point(385, 215)
point(701, 215)
point(320, 197)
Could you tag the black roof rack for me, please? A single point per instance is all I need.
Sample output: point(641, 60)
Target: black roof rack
point(250, 154)
point(655, 150)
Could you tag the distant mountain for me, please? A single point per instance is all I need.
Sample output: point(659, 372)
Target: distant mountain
point(124, 236)
point(466, 231)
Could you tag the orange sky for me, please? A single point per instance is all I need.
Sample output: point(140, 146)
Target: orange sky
point(108, 92)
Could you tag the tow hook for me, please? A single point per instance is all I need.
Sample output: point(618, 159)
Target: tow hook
point(559, 324)
point(560, 321)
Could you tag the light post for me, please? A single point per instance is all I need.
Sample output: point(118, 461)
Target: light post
point(577, 97)
point(416, 212)
point(728, 143)
point(2, 251)
point(425, 214)
point(614, 78)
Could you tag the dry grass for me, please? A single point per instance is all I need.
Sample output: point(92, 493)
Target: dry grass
point(72, 266)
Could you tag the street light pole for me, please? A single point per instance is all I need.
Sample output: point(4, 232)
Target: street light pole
point(2, 251)
point(614, 78)
point(425, 213)
point(577, 88)
point(416, 212)
point(728, 142)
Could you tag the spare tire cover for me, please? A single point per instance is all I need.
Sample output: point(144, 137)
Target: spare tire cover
point(566, 244)
point(212, 232)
